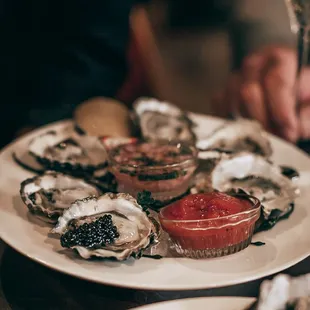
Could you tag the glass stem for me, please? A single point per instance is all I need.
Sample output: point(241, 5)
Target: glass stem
point(303, 47)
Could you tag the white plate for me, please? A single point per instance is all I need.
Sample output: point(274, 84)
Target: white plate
point(214, 303)
point(286, 244)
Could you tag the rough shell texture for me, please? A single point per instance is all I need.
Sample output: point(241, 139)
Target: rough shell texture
point(253, 174)
point(284, 291)
point(162, 121)
point(237, 136)
point(136, 230)
point(67, 151)
point(48, 195)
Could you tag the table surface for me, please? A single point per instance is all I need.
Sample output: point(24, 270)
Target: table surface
point(25, 284)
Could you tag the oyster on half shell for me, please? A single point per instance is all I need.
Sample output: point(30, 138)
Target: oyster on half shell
point(253, 174)
point(48, 195)
point(67, 151)
point(234, 137)
point(111, 226)
point(162, 121)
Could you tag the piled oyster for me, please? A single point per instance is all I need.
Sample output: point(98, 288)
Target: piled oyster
point(111, 226)
point(234, 137)
point(67, 151)
point(254, 175)
point(48, 195)
point(162, 121)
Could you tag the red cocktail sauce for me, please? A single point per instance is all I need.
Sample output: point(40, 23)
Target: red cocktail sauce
point(210, 221)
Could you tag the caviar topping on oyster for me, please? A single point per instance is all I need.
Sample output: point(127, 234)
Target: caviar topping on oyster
point(111, 226)
point(48, 195)
point(91, 235)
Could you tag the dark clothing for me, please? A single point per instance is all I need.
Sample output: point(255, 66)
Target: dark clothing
point(55, 54)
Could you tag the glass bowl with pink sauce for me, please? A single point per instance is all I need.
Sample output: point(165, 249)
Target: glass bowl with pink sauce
point(163, 168)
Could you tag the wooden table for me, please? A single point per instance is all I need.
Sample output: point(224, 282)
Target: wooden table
point(25, 284)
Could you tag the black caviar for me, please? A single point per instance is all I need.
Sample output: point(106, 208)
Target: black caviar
point(91, 235)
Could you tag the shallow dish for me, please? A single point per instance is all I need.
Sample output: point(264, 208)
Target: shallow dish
point(286, 244)
point(202, 303)
point(163, 168)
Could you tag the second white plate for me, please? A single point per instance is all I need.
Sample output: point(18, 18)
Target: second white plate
point(214, 303)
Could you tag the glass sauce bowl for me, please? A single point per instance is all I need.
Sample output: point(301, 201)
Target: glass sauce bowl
point(163, 168)
point(212, 237)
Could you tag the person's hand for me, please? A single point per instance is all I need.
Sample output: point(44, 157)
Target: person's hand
point(265, 89)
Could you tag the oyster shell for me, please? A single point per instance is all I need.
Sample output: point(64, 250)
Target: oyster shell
point(130, 227)
point(284, 292)
point(253, 174)
point(162, 121)
point(67, 151)
point(48, 195)
point(236, 136)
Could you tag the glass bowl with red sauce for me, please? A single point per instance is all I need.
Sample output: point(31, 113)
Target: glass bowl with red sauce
point(210, 224)
point(163, 168)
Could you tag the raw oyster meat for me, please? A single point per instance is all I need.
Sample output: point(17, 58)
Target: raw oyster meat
point(111, 226)
point(67, 151)
point(236, 136)
point(254, 175)
point(48, 195)
point(162, 121)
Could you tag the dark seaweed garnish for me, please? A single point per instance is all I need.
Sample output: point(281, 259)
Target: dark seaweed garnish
point(137, 255)
point(258, 243)
point(289, 172)
point(146, 201)
point(275, 216)
point(106, 183)
point(153, 256)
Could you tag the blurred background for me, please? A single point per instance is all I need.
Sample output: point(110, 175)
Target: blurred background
point(57, 54)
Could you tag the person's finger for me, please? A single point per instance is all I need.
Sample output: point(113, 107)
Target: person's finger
point(252, 97)
point(232, 94)
point(252, 67)
point(280, 92)
point(304, 103)
point(304, 120)
point(304, 85)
